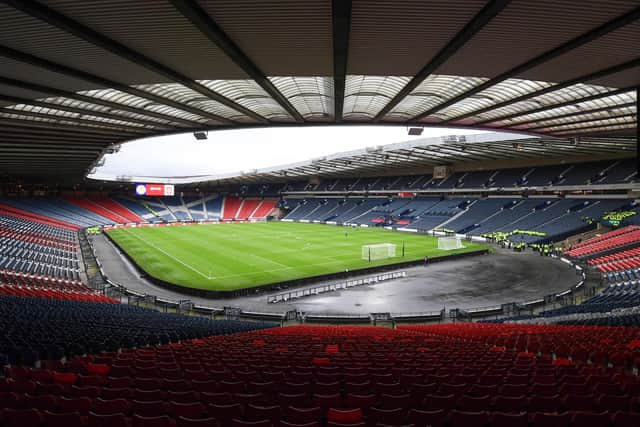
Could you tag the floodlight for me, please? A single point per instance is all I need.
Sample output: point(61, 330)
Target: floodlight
point(201, 136)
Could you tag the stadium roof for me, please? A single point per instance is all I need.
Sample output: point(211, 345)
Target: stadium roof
point(79, 76)
point(416, 155)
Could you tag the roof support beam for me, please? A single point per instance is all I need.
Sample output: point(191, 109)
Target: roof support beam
point(482, 18)
point(575, 113)
point(78, 121)
point(570, 45)
point(207, 26)
point(341, 17)
point(585, 78)
point(91, 100)
point(51, 17)
point(590, 128)
point(118, 137)
point(23, 130)
point(583, 120)
point(8, 52)
point(554, 106)
point(95, 113)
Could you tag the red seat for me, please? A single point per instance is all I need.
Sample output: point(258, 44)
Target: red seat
point(202, 422)
point(43, 402)
point(149, 409)
point(303, 415)
point(111, 420)
point(241, 423)
point(160, 421)
point(626, 419)
point(22, 417)
point(541, 419)
point(113, 406)
point(79, 404)
point(434, 401)
point(578, 402)
point(193, 410)
point(288, 424)
point(326, 401)
point(509, 403)
point(225, 413)
point(386, 416)
point(345, 416)
point(257, 413)
point(473, 404)
point(72, 419)
point(422, 418)
point(469, 419)
point(591, 419)
point(501, 419)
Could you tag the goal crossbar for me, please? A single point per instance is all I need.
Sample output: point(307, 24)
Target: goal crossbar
point(378, 251)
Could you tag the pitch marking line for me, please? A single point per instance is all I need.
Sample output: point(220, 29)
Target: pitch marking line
point(172, 256)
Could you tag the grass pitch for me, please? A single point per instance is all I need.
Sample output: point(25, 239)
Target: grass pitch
point(225, 257)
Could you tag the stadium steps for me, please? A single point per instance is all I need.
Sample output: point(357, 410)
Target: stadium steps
point(185, 208)
point(247, 208)
point(166, 209)
point(456, 216)
point(230, 207)
point(264, 209)
point(312, 212)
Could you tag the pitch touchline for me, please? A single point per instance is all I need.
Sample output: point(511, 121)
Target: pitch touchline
point(170, 256)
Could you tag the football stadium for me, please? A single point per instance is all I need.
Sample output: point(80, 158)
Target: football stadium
point(319, 213)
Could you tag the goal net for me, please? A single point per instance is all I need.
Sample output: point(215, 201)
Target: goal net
point(378, 251)
point(449, 243)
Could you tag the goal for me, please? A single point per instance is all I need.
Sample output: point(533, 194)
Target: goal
point(449, 243)
point(378, 251)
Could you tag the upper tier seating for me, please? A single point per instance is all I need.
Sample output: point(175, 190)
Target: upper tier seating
point(457, 375)
point(53, 328)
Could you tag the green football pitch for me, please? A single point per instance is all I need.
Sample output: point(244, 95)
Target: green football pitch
point(225, 257)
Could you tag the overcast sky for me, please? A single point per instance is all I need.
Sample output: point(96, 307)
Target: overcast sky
point(237, 150)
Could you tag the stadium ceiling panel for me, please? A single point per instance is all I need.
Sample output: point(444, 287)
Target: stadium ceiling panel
point(95, 73)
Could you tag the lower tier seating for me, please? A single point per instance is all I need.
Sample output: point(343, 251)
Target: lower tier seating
point(37, 328)
point(459, 375)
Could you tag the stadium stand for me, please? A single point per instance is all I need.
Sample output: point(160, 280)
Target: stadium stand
point(89, 205)
point(447, 375)
point(247, 208)
point(264, 209)
point(53, 328)
point(57, 209)
point(115, 207)
point(137, 208)
point(213, 206)
point(231, 207)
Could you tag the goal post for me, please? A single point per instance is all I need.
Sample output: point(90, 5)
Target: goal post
point(449, 243)
point(378, 251)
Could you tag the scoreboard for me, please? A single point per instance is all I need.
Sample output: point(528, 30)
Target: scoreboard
point(155, 190)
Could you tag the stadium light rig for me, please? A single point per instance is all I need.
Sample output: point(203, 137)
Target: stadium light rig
point(201, 136)
point(415, 131)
